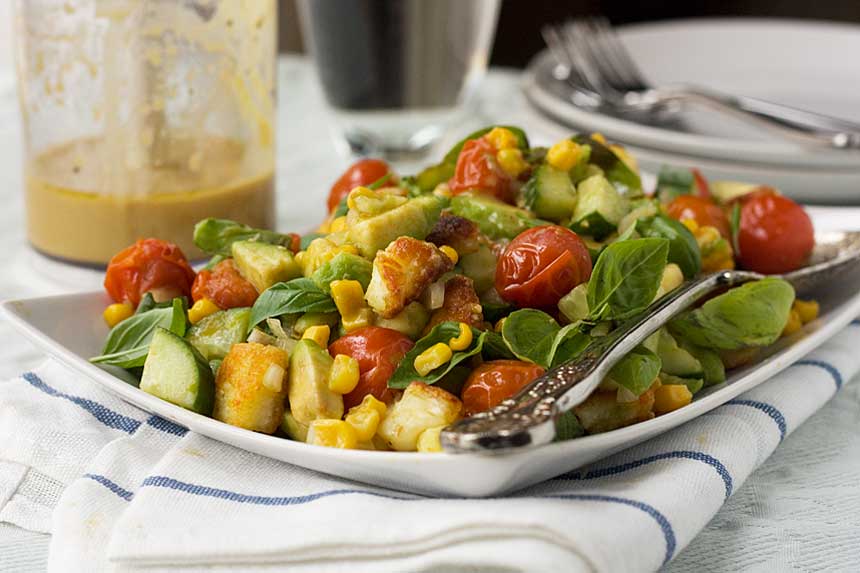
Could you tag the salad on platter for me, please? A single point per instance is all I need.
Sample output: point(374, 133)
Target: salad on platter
point(424, 299)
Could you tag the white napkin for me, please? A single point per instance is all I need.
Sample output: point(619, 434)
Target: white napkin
point(121, 490)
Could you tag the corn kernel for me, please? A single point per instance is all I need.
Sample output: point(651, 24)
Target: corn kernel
point(332, 434)
point(500, 324)
point(794, 323)
point(201, 309)
point(462, 340)
point(625, 157)
point(356, 193)
point(502, 138)
point(598, 137)
point(117, 312)
point(432, 358)
point(319, 334)
point(348, 297)
point(691, 224)
point(337, 225)
point(511, 161)
point(351, 249)
point(365, 420)
point(807, 310)
point(671, 397)
point(363, 318)
point(451, 253)
point(564, 154)
point(442, 190)
point(343, 377)
point(428, 440)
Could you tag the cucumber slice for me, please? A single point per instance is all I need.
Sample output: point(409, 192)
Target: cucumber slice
point(599, 208)
point(214, 335)
point(174, 371)
point(550, 193)
point(676, 360)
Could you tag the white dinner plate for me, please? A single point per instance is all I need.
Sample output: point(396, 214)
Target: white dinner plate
point(809, 65)
point(70, 328)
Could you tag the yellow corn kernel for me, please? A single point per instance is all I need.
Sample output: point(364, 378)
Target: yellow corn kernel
point(343, 376)
point(201, 309)
point(564, 154)
point(428, 440)
point(794, 323)
point(511, 161)
point(442, 190)
point(332, 434)
point(357, 193)
point(462, 340)
point(337, 225)
point(348, 297)
point(625, 157)
point(325, 226)
point(499, 324)
point(502, 138)
point(318, 334)
point(451, 253)
point(598, 137)
point(807, 310)
point(360, 320)
point(117, 312)
point(300, 257)
point(670, 397)
point(691, 224)
point(365, 417)
point(432, 358)
point(351, 249)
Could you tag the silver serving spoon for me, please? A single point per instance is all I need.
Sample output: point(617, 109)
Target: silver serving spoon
point(528, 419)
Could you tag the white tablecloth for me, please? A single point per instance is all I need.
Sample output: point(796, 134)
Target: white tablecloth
point(800, 511)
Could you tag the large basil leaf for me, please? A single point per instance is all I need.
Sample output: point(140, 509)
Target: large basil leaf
point(753, 314)
point(215, 236)
point(613, 167)
point(442, 332)
point(637, 370)
point(534, 336)
point(495, 348)
point(127, 343)
point(683, 248)
point(626, 277)
point(293, 297)
point(568, 344)
point(672, 182)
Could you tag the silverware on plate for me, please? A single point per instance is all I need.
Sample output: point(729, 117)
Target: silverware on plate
point(602, 73)
point(528, 419)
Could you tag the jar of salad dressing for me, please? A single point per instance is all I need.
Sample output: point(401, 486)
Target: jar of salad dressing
point(141, 118)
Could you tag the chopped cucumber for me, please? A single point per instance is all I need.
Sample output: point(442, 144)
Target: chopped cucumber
point(599, 208)
point(263, 265)
point(214, 335)
point(495, 219)
point(550, 193)
point(174, 371)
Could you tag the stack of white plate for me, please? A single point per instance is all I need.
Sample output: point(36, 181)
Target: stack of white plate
point(809, 65)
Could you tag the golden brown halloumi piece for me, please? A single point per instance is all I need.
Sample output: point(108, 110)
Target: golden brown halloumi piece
point(461, 304)
point(457, 232)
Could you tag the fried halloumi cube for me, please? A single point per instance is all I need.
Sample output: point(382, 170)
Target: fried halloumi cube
point(456, 232)
point(461, 304)
point(421, 407)
point(401, 272)
point(251, 387)
point(602, 411)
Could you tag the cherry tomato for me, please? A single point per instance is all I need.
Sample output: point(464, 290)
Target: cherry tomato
point(542, 265)
point(224, 286)
point(148, 265)
point(478, 170)
point(363, 172)
point(703, 211)
point(703, 190)
point(378, 351)
point(776, 234)
point(493, 381)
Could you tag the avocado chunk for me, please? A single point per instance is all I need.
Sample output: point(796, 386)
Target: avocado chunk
point(263, 265)
point(415, 218)
point(175, 372)
point(495, 219)
point(214, 335)
point(344, 266)
point(307, 389)
point(599, 208)
point(713, 369)
point(676, 360)
point(480, 266)
point(692, 384)
point(550, 193)
point(574, 305)
point(409, 321)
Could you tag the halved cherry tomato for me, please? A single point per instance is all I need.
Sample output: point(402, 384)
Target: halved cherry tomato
point(224, 286)
point(477, 170)
point(378, 351)
point(542, 265)
point(703, 211)
point(148, 265)
point(776, 234)
point(363, 172)
point(493, 381)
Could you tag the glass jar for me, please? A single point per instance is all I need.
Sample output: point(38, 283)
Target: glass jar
point(140, 118)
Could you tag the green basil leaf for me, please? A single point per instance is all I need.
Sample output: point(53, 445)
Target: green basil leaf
point(637, 370)
point(379, 183)
point(530, 334)
point(735, 227)
point(146, 303)
point(672, 182)
point(127, 343)
point(405, 373)
point(683, 248)
point(613, 167)
point(495, 348)
point(215, 236)
point(568, 427)
point(626, 278)
point(296, 296)
point(213, 262)
point(569, 343)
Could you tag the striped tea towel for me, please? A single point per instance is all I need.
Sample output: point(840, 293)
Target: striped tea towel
point(121, 490)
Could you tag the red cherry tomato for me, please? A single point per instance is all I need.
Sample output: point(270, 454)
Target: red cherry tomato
point(363, 172)
point(378, 351)
point(477, 170)
point(224, 286)
point(145, 266)
point(542, 265)
point(703, 190)
point(776, 234)
point(493, 381)
point(703, 211)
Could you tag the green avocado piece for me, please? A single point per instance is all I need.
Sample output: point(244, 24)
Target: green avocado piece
point(495, 219)
point(574, 305)
point(713, 369)
point(214, 335)
point(415, 218)
point(676, 360)
point(692, 384)
point(307, 388)
point(480, 266)
point(599, 208)
point(343, 266)
point(263, 265)
point(409, 321)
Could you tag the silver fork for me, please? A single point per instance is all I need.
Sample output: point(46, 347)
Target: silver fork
point(599, 67)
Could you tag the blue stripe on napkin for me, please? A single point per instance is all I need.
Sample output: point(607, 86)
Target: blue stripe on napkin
point(829, 368)
point(111, 485)
point(768, 409)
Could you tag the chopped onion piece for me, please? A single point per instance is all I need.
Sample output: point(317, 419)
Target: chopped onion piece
point(273, 379)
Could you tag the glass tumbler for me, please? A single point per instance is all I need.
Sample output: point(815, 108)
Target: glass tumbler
point(142, 117)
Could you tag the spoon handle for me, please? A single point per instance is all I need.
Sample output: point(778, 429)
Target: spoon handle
point(528, 419)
